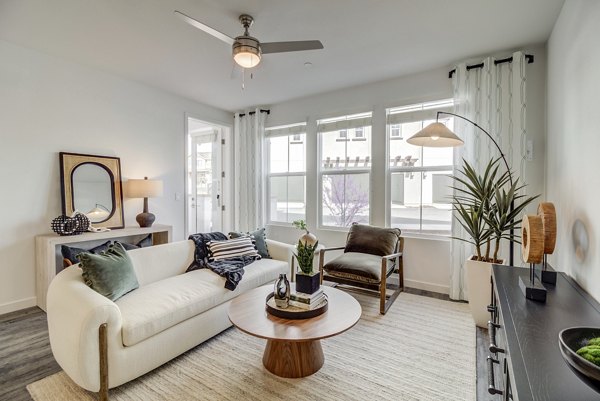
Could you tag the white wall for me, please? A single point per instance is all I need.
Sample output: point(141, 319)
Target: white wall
point(427, 261)
point(48, 105)
point(573, 181)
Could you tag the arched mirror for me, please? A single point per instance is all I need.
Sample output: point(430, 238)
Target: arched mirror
point(92, 185)
point(92, 191)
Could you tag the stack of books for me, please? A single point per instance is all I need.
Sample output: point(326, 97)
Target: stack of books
point(308, 301)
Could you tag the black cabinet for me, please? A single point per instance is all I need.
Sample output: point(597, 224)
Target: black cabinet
point(524, 362)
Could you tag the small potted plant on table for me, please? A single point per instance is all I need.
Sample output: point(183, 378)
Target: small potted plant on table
point(307, 280)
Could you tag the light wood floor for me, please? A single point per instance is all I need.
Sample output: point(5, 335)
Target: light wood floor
point(25, 354)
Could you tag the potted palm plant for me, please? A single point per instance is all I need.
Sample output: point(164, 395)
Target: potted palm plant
point(482, 205)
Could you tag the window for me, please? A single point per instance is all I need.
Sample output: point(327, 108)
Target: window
point(286, 173)
point(344, 171)
point(343, 135)
point(419, 177)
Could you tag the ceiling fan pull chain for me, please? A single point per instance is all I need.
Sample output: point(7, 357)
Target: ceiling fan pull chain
point(243, 78)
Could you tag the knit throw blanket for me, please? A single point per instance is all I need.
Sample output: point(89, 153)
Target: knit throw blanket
point(231, 269)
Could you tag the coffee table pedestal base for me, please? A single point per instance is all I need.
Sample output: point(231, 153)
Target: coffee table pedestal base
point(293, 359)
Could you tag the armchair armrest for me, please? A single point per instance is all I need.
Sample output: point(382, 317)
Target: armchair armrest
point(392, 256)
point(280, 251)
point(75, 313)
point(322, 258)
point(337, 248)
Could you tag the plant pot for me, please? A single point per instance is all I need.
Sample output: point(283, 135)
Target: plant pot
point(308, 283)
point(308, 238)
point(479, 289)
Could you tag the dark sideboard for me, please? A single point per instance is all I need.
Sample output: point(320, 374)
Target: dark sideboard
point(525, 363)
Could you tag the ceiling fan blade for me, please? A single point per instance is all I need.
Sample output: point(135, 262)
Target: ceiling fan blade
point(281, 47)
point(205, 28)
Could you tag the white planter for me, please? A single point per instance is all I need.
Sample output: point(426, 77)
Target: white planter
point(479, 289)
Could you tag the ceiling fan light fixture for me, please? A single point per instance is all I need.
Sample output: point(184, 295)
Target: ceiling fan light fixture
point(246, 52)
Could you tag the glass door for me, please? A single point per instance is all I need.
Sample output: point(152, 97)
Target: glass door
point(204, 176)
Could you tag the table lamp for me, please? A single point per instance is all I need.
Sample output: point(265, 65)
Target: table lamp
point(145, 189)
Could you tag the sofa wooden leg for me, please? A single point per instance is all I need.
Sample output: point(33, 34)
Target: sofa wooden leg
point(103, 352)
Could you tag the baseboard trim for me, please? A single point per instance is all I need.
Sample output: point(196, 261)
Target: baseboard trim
point(423, 285)
point(17, 305)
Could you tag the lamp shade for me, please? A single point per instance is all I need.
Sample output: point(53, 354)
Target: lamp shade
point(247, 59)
point(435, 135)
point(246, 51)
point(144, 188)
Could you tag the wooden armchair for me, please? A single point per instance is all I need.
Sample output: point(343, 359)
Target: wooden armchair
point(371, 255)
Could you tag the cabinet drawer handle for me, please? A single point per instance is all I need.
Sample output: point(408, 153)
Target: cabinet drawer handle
point(491, 385)
point(492, 334)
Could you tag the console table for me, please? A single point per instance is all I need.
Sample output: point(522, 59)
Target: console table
point(525, 363)
point(48, 259)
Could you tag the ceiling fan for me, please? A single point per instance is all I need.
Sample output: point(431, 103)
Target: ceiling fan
point(247, 50)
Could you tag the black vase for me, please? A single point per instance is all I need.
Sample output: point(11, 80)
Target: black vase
point(308, 284)
point(281, 292)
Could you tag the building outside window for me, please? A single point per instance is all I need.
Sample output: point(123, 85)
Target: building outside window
point(359, 133)
point(419, 177)
point(344, 171)
point(286, 173)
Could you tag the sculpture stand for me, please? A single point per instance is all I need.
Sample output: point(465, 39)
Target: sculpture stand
point(530, 288)
point(548, 275)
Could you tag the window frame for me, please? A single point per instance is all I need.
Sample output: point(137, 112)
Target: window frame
point(321, 171)
point(269, 174)
point(415, 114)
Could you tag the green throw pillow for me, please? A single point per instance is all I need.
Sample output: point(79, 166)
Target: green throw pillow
point(109, 273)
point(260, 239)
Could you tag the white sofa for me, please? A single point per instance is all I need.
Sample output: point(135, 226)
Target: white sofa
point(170, 313)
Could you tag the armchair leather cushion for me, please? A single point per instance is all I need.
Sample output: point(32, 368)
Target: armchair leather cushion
point(355, 266)
point(372, 240)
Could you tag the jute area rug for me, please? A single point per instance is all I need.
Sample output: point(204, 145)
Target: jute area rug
point(422, 349)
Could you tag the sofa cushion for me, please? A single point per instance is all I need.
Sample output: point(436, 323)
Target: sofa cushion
point(260, 239)
point(232, 248)
point(157, 306)
point(109, 273)
point(357, 266)
point(158, 262)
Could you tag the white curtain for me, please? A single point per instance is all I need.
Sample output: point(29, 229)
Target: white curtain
point(249, 133)
point(493, 97)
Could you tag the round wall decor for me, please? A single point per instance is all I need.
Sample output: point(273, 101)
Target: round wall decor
point(547, 212)
point(532, 233)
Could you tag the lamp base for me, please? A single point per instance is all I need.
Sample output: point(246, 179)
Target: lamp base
point(145, 219)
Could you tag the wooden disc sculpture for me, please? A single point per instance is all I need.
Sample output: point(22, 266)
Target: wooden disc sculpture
point(532, 233)
point(547, 212)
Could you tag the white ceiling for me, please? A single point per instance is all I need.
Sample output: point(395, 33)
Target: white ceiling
point(365, 40)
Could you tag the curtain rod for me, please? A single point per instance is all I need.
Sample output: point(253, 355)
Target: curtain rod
point(528, 57)
point(253, 112)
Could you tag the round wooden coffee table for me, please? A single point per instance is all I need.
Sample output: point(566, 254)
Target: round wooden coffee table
point(293, 346)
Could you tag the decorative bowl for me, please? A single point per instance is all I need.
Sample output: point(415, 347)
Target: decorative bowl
point(569, 341)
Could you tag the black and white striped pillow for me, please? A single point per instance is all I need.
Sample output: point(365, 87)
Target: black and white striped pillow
point(243, 246)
